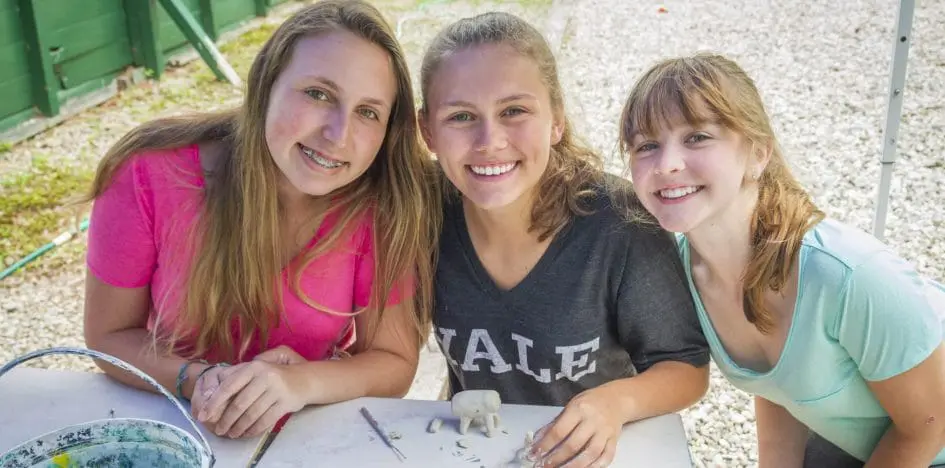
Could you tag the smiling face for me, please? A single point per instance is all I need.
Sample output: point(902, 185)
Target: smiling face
point(689, 174)
point(490, 120)
point(328, 111)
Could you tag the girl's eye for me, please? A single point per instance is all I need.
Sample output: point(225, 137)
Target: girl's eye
point(697, 138)
point(513, 111)
point(461, 117)
point(646, 147)
point(317, 94)
point(369, 114)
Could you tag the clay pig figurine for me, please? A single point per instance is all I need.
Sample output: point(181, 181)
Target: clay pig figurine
point(480, 406)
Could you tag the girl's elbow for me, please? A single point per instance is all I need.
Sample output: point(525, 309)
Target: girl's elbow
point(700, 383)
point(400, 387)
point(931, 430)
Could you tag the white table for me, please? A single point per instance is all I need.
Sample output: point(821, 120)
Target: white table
point(338, 435)
point(36, 401)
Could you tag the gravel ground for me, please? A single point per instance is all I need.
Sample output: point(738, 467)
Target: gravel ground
point(822, 68)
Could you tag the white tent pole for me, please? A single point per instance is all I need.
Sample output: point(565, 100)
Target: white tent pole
point(897, 83)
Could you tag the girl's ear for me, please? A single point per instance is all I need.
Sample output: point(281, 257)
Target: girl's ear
point(425, 128)
point(556, 133)
point(557, 129)
point(761, 156)
point(765, 151)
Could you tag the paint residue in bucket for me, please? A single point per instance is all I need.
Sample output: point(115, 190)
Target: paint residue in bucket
point(62, 460)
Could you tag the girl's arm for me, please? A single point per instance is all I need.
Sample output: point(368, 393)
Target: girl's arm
point(385, 368)
point(262, 392)
point(782, 439)
point(121, 259)
point(891, 324)
point(590, 425)
point(915, 401)
point(665, 388)
point(115, 320)
point(658, 326)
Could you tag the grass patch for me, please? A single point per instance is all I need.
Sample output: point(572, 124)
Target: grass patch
point(33, 206)
point(239, 53)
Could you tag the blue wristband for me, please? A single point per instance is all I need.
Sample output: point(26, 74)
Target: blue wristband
point(207, 369)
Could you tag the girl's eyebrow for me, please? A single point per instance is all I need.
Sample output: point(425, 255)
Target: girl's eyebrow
point(514, 97)
point(458, 103)
point(331, 85)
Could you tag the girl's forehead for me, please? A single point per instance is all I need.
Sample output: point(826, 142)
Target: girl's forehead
point(660, 114)
point(485, 71)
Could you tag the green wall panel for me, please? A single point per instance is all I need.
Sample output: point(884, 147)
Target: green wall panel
point(13, 62)
point(15, 96)
point(10, 30)
point(59, 14)
point(82, 37)
point(86, 41)
point(227, 14)
point(170, 36)
point(101, 62)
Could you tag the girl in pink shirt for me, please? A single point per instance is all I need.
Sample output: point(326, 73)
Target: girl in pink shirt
point(275, 255)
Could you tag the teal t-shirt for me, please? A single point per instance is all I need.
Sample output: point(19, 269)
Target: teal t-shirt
point(862, 314)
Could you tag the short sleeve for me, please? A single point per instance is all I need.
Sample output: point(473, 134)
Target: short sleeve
point(888, 323)
point(657, 319)
point(121, 248)
point(365, 270)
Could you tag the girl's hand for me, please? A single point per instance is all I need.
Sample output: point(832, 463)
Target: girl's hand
point(204, 387)
point(252, 398)
point(585, 434)
point(280, 355)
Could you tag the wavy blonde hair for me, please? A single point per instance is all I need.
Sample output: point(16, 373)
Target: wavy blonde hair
point(572, 167)
point(690, 87)
point(233, 278)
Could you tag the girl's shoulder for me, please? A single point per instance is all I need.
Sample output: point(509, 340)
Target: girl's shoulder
point(158, 167)
point(834, 244)
point(612, 201)
point(838, 259)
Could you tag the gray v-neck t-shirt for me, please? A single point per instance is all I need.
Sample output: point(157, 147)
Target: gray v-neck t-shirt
point(607, 300)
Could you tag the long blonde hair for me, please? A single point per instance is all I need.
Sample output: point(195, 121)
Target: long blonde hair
point(234, 275)
point(572, 166)
point(784, 211)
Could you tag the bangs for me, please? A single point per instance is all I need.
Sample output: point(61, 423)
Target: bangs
point(672, 93)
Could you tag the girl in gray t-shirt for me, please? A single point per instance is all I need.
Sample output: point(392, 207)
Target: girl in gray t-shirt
point(545, 290)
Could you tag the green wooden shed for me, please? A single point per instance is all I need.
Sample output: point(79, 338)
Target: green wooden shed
point(53, 51)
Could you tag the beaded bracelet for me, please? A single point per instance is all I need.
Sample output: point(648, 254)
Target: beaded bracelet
point(182, 376)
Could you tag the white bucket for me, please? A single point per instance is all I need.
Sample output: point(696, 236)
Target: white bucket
point(114, 442)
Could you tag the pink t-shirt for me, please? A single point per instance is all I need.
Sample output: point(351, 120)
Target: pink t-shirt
point(140, 227)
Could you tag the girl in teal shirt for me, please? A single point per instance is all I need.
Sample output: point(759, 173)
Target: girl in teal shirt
point(838, 338)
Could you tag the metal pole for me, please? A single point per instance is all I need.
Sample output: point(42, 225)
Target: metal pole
point(897, 83)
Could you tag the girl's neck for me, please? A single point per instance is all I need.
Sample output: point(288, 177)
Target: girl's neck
point(721, 247)
point(299, 211)
point(295, 203)
point(506, 225)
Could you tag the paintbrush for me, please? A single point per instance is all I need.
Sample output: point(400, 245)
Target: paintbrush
point(377, 428)
point(266, 441)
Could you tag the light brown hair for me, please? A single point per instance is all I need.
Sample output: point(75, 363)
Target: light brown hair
point(234, 274)
point(572, 167)
point(690, 87)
